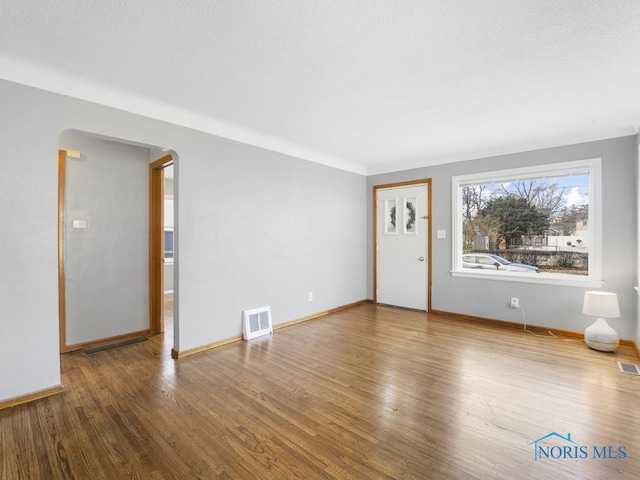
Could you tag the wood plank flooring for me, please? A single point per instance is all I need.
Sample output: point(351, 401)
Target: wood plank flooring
point(367, 393)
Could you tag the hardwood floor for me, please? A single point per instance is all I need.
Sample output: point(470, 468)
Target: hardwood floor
point(370, 392)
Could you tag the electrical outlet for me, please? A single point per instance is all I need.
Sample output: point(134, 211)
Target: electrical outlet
point(311, 296)
point(515, 302)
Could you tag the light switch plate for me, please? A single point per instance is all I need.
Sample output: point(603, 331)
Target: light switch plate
point(441, 234)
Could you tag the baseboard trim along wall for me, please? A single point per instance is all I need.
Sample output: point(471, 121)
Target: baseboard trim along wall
point(185, 353)
point(318, 315)
point(533, 328)
point(106, 341)
point(12, 402)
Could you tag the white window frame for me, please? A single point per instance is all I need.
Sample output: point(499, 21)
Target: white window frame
point(594, 277)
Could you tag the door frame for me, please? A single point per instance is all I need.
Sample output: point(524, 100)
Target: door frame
point(62, 295)
point(413, 183)
point(156, 242)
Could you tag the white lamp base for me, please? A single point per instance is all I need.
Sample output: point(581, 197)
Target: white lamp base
point(600, 336)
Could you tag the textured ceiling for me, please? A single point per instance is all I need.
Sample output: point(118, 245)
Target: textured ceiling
point(365, 85)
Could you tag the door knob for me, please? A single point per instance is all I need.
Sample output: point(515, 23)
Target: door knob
point(421, 259)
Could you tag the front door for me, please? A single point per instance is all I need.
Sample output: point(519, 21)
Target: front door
point(402, 229)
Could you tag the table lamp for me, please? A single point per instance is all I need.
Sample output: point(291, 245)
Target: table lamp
point(600, 336)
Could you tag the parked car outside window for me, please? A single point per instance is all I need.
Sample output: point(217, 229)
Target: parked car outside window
point(489, 261)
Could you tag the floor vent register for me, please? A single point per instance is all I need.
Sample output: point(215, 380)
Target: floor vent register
point(629, 368)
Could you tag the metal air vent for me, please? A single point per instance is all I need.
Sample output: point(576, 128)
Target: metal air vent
point(629, 368)
point(256, 322)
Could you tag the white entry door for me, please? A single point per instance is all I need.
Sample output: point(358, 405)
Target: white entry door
point(401, 240)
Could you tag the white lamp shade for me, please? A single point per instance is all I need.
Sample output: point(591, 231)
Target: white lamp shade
point(601, 304)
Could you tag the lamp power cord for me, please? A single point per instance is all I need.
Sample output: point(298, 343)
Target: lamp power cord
point(524, 317)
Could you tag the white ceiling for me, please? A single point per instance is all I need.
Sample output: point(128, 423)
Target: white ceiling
point(369, 86)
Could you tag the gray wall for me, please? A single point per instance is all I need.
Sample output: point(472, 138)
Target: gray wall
point(254, 228)
point(637, 161)
point(168, 277)
point(106, 264)
point(268, 229)
point(545, 305)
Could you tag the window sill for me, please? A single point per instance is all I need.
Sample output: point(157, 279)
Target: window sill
point(540, 278)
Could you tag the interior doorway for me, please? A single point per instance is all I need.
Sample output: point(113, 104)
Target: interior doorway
point(169, 254)
point(107, 281)
point(161, 245)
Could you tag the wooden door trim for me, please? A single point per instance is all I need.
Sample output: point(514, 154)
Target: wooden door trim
point(162, 162)
point(62, 298)
point(156, 242)
point(427, 182)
